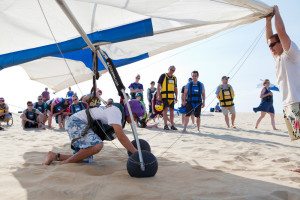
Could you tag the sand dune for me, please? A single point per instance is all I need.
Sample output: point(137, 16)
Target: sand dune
point(218, 163)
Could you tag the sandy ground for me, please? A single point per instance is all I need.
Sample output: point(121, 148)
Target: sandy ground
point(218, 163)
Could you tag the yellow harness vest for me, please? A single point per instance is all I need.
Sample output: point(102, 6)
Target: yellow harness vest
point(168, 87)
point(226, 96)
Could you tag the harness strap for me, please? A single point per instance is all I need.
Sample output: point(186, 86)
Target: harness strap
point(86, 129)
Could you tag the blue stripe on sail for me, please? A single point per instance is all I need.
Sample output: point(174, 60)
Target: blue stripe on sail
point(85, 56)
point(122, 33)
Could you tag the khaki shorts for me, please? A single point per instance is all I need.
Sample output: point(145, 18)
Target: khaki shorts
point(227, 110)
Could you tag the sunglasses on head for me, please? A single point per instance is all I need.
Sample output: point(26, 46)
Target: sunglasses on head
point(273, 44)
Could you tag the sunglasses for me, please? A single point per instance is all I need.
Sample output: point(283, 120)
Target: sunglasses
point(40, 99)
point(273, 44)
point(75, 99)
point(173, 70)
point(137, 77)
point(29, 105)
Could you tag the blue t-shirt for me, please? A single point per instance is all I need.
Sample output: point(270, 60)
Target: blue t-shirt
point(135, 86)
point(70, 93)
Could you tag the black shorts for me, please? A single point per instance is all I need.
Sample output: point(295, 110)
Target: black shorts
point(168, 103)
point(190, 109)
point(31, 125)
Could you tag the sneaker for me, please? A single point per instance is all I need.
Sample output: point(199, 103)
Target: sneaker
point(2, 129)
point(166, 127)
point(174, 128)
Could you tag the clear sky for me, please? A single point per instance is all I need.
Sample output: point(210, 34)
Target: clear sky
point(213, 58)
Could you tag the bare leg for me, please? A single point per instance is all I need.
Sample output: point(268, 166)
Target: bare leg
point(227, 120)
point(165, 116)
point(232, 120)
point(273, 121)
point(51, 156)
point(198, 123)
point(78, 157)
point(262, 115)
point(193, 119)
point(182, 119)
point(50, 121)
point(172, 116)
point(23, 123)
point(296, 170)
point(186, 122)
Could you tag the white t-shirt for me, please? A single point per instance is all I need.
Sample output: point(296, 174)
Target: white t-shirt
point(110, 115)
point(288, 74)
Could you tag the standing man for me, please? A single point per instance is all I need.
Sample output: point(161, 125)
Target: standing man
point(70, 93)
point(136, 87)
point(225, 94)
point(182, 100)
point(150, 93)
point(46, 95)
point(167, 93)
point(287, 59)
point(193, 99)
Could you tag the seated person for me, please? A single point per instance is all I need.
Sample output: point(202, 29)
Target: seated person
point(42, 107)
point(57, 109)
point(85, 147)
point(77, 105)
point(31, 117)
point(138, 110)
point(141, 121)
point(218, 108)
point(4, 111)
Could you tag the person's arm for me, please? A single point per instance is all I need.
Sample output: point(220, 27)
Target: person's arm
point(176, 94)
point(6, 111)
point(159, 85)
point(217, 92)
point(148, 95)
point(123, 138)
point(182, 93)
point(38, 112)
point(269, 30)
point(203, 98)
point(184, 96)
point(158, 95)
point(279, 25)
point(52, 107)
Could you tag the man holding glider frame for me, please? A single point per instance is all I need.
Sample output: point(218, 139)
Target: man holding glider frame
point(287, 58)
point(90, 144)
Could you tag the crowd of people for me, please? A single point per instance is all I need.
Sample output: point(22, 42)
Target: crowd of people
point(161, 101)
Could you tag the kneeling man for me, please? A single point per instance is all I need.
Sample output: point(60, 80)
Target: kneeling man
point(85, 142)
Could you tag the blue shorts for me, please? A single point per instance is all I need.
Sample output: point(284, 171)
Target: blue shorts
point(74, 128)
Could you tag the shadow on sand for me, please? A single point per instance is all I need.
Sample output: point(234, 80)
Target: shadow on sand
point(107, 178)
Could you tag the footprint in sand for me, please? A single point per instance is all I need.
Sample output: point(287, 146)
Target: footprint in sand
point(281, 160)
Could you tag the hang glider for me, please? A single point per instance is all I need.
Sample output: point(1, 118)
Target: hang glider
point(37, 35)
